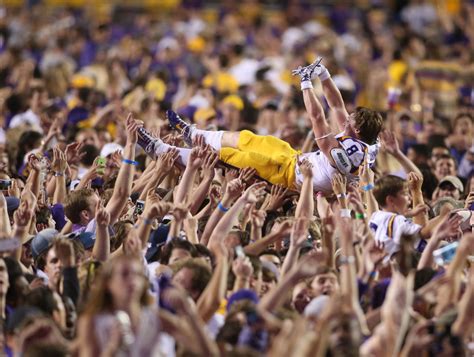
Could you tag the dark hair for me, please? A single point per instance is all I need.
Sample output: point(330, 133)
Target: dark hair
point(324, 269)
point(176, 243)
point(26, 143)
point(42, 215)
point(369, 122)
point(389, 185)
point(203, 251)
point(421, 149)
point(201, 274)
point(91, 152)
point(43, 299)
point(76, 202)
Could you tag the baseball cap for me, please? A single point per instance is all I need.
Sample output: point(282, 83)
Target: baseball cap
point(156, 241)
point(86, 238)
point(110, 148)
point(453, 180)
point(242, 294)
point(12, 204)
point(204, 114)
point(42, 240)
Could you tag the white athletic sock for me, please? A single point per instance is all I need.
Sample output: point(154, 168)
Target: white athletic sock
point(183, 152)
point(213, 138)
point(306, 85)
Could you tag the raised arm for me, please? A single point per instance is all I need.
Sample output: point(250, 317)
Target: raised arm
point(123, 185)
point(334, 98)
point(101, 249)
point(233, 190)
point(305, 206)
point(59, 165)
point(251, 195)
point(390, 144)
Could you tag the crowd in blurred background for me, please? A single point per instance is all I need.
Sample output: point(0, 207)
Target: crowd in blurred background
point(106, 252)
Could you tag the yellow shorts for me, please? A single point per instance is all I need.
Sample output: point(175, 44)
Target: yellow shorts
point(274, 159)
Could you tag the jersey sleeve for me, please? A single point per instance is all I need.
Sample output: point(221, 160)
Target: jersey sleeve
point(406, 226)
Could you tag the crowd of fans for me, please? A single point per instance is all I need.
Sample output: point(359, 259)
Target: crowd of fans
point(106, 252)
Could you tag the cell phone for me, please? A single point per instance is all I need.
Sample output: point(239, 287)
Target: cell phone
point(101, 164)
point(139, 207)
point(445, 254)
point(5, 184)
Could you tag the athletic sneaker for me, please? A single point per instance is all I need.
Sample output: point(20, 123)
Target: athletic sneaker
point(147, 142)
point(179, 124)
point(308, 72)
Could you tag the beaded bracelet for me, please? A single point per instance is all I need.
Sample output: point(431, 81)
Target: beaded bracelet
point(359, 215)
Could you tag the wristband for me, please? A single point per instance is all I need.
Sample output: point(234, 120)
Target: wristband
point(306, 85)
point(130, 162)
point(221, 207)
point(346, 260)
point(359, 215)
point(341, 195)
point(367, 187)
point(56, 174)
point(319, 194)
point(345, 213)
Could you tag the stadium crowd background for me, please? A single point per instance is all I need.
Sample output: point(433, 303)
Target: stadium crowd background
point(96, 274)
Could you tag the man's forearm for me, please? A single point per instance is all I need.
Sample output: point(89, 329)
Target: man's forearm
point(101, 250)
point(123, 185)
point(305, 206)
point(60, 191)
point(185, 185)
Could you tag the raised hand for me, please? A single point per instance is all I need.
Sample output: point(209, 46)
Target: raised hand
point(366, 174)
point(65, 252)
point(214, 196)
point(421, 208)
point(196, 157)
point(209, 164)
point(307, 267)
point(132, 127)
point(73, 153)
point(242, 267)
point(355, 199)
point(102, 216)
point(389, 142)
point(257, 218)
point(23, 215)
point(282, 229)
point(254, 192)
point(247, 174)
point(34, 162)
point(234, 189)
point(231, 174)
point(306, 168)
point(415, 181)
point(469, 200)
point(277, 197)
point(180, 212)
point(373, 254)
point(299, 233)
point(165, 162)
point(14, 189)
point(339, 184)
point(59, 163)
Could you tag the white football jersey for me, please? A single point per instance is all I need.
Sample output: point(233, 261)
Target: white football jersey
point(323, 170)
point(389, 227)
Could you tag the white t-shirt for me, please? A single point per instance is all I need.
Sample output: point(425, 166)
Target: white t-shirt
point(388, 228)
point(27, 118)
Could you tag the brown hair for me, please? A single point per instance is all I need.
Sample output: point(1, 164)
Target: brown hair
point(369, 122)
point(201, 274)
point(76, 202)
point(100, 299)
point(389, 185)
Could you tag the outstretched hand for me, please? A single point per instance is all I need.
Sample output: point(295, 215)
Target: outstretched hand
point(254, 192)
